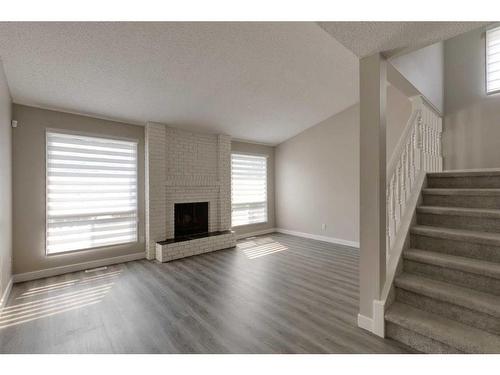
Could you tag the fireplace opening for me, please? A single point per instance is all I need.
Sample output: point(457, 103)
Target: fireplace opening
point(190, 218)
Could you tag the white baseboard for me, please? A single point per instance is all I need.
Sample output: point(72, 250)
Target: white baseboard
point(375, 325)
point(317, 237)
point(6, 293)
point(20, 277)
point(365, 322)
point(256, 233)
point(378, 323)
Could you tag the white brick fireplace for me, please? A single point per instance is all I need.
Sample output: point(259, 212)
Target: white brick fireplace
point(183, 167)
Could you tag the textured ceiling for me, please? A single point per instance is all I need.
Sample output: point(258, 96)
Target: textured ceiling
point(262, 82)
point(367, 38)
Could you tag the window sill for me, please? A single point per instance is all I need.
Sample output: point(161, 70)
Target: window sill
point(88, 249)
point(247, 225)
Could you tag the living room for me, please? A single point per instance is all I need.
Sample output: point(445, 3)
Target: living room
point(312, 187)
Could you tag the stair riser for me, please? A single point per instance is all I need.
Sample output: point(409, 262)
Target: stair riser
point(464, 182)
point(467, 201)
point(484, 224)
point(451, 276)
point(449, 310)
point(417, 341)
point(459, 248)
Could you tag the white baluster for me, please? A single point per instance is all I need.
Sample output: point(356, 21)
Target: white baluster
point(439, 140)
point(421, 151)
point(401, 189)
point(410, 159)
point(387, 223)
point(398, 195)
point(434, 145)
point(403, 180)
point(424, 158)
point(419, 139)
point(393, 205)
point(408, 170)
point(431, 142)
point(426, 143)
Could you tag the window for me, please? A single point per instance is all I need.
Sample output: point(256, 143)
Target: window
point(91, 192)
point(493, 60)
point(249, 189)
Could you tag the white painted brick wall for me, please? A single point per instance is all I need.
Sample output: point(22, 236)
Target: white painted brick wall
point(183, 167)
point(155, 187)
point(190, 155)
point(177, 250)
point(224, 177)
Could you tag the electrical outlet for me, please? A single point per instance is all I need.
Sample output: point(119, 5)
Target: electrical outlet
point(323, 226)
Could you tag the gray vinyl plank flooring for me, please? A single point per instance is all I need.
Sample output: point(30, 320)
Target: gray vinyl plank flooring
point(271, 294)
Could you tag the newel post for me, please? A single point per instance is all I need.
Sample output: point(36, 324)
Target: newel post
point(372, 263)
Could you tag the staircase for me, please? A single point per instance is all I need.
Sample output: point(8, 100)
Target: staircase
point(447, 296)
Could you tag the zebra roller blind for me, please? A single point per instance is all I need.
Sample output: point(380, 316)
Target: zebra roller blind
point(91, 192)
point(493, 60)
point(248, 189)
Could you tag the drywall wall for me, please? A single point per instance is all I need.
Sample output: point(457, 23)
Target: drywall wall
point(471, 137)
point(253, 148)
point(317, 172)
point(317, 179)
point(29, 186)
point(424, 68)
point(5, 185)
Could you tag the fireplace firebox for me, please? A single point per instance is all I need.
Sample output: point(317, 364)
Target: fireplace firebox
point(190, 218)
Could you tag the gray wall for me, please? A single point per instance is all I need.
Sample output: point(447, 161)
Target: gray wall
point(5, 184)
point(317, 172)
point(29, 186)
point(471, 137)
point(424, 69)
point(317, 178)
point(253, 148)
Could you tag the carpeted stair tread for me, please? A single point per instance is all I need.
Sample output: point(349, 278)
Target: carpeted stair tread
point(460, 211)
point(461, 191)
point(486, 238)
point(465, 297)
point(471, 265)
point(453, 174)
point(465, 338)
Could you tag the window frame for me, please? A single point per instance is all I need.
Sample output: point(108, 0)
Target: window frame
point(266, 157)
point(497, 91)
point(100, 136)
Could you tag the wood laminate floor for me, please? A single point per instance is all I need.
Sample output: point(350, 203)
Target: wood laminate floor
point(271, 294)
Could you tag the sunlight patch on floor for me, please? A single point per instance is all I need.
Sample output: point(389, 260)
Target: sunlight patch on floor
point(71, 283)
point(58, 299)
point(260, 246)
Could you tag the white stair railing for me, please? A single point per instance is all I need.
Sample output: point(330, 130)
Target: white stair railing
point(418, 151)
